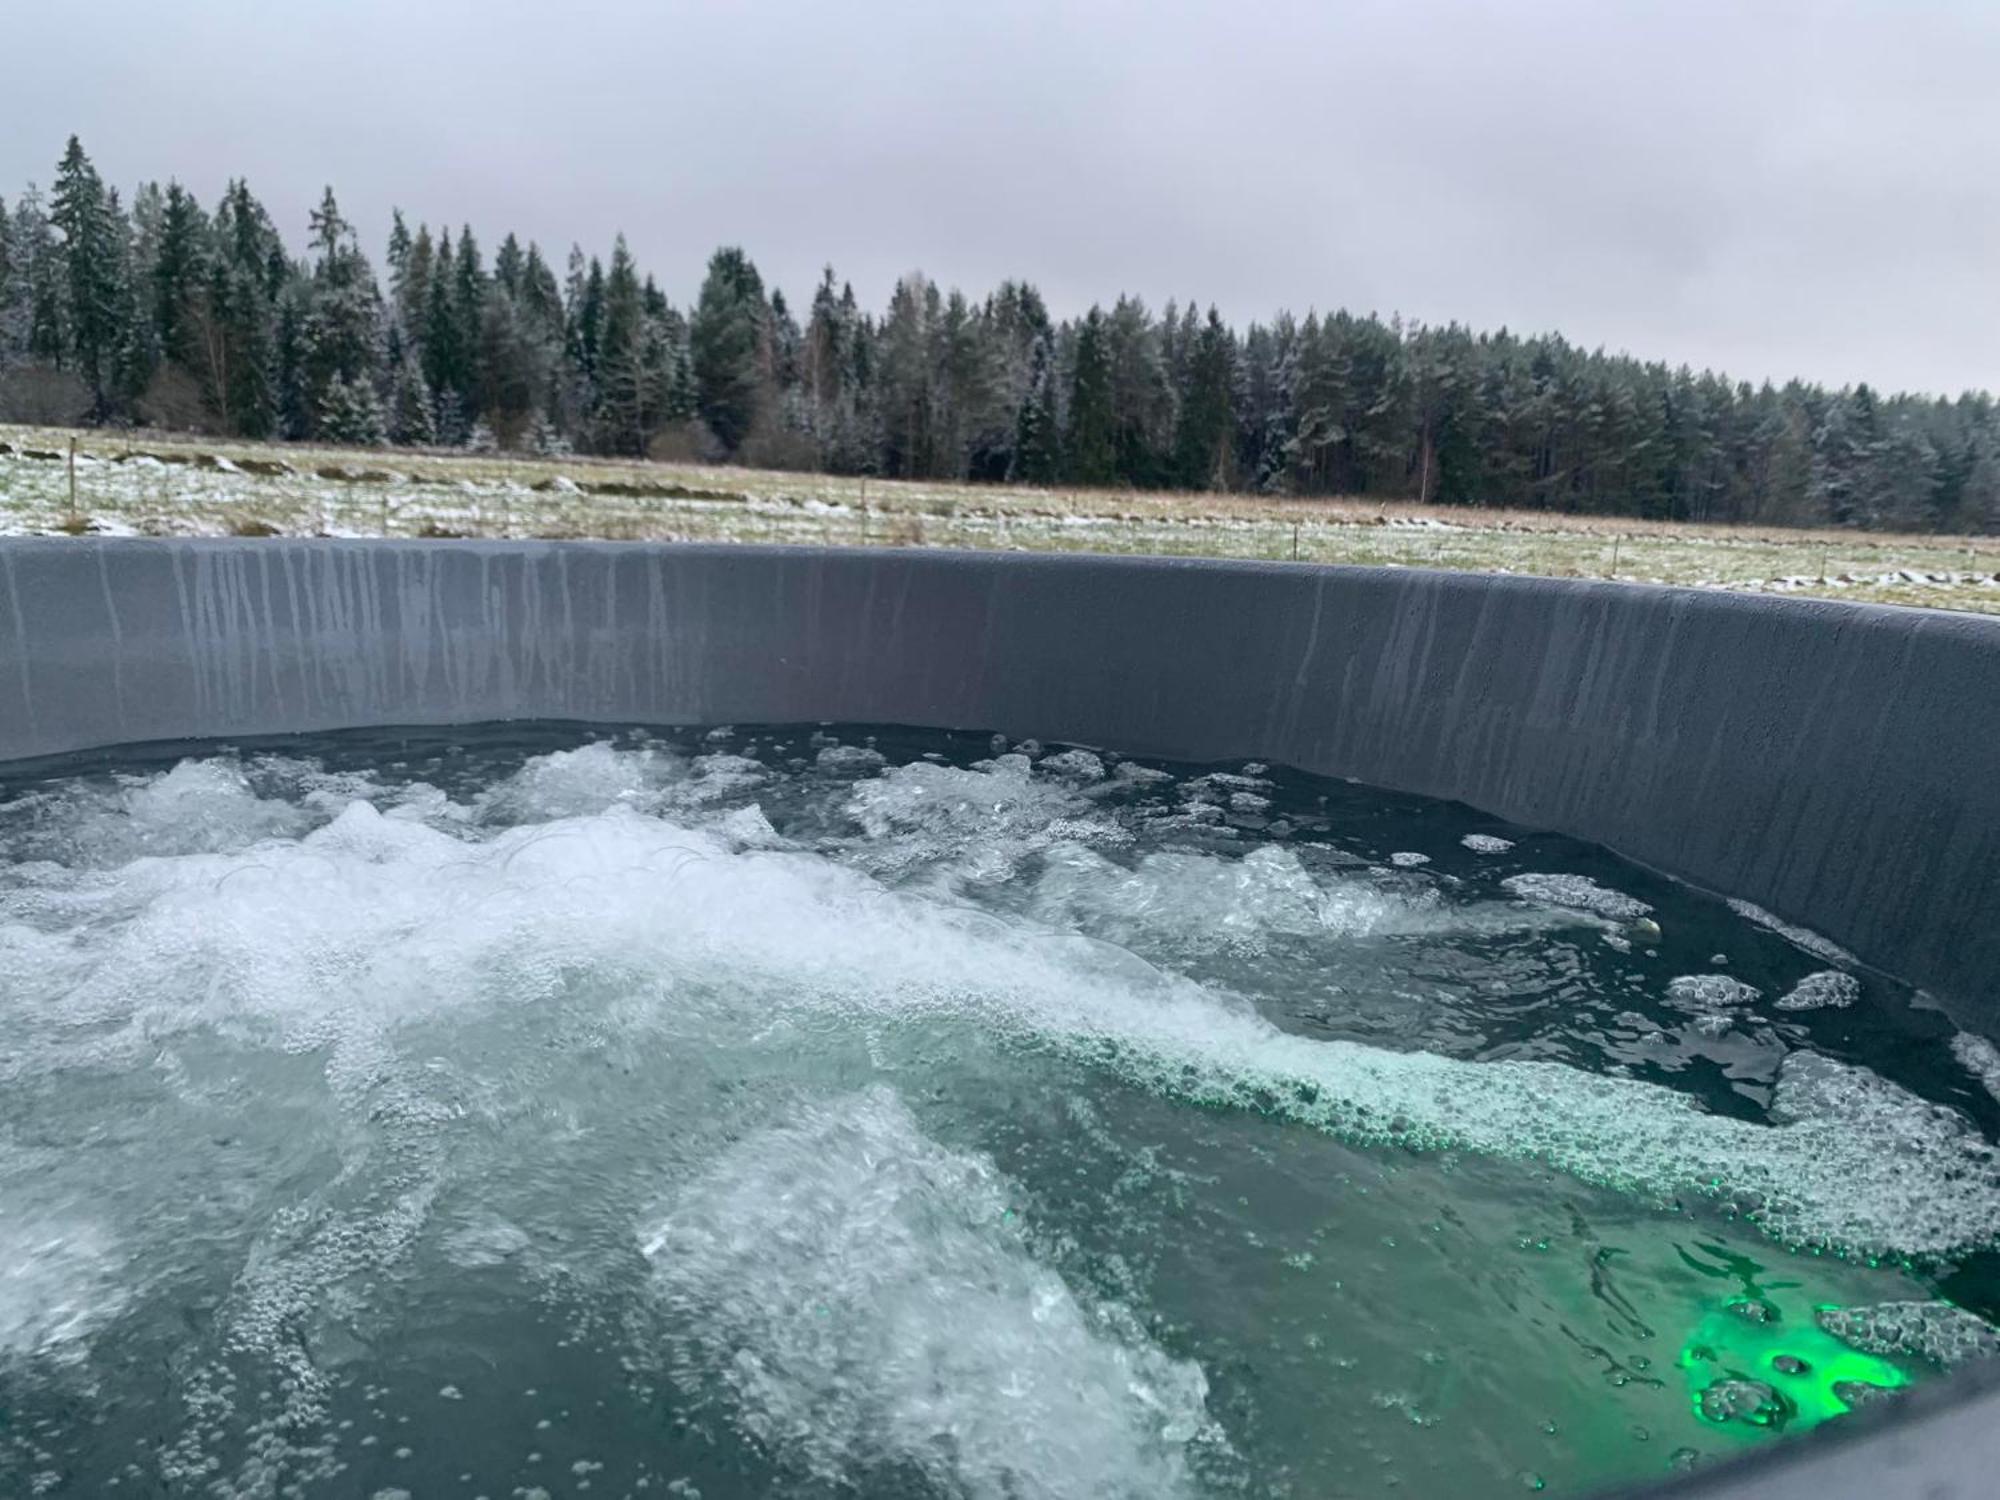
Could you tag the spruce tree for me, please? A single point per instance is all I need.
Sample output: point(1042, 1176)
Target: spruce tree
point(236, 322)
point(445, 355)
point(351, 413)
point(180, 272)
point(32, 316)
point(8, 350)
point(623, 418)
point(1037, 449)
point(340, 333)
point(727, 343)
point(412, 422)
point(1090, 447)
point(82, 213)
point(1204, 438)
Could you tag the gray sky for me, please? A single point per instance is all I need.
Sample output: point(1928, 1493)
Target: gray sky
point(1765, 187)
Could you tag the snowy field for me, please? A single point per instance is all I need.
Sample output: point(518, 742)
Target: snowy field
point(140, 485)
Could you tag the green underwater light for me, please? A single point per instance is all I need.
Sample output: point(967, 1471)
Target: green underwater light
point(1751, 1366)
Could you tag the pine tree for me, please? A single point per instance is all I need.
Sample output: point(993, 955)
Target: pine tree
point(543, 439)
point(82, 212)
point(236, 320)
point(410, 288)
point(180, 271)
point(727, 339)
point(413, 422)
point(1037, 449)
point(452, 424)
point(31, 325)
point(509, 265)
point(397, 260)
point(8, 349)
point(136, 353)
point(350, 412)
point(468, 299)
point(1090, 446)
point(904, 379)
point(31, 321)
point(1204, 438)
point(446, 342)
point(623, 417)
point(340, 332)
point(296, 412)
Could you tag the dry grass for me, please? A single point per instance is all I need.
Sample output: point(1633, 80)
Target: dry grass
point(157, 484)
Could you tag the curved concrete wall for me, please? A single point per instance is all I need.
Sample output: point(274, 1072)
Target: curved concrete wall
point(1839, 765)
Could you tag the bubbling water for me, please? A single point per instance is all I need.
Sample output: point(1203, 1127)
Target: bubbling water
point(912, 1115)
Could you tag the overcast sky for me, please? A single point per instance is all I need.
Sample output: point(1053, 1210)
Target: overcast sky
point(1765, 188)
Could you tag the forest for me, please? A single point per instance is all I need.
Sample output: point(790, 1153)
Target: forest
point(164, 313)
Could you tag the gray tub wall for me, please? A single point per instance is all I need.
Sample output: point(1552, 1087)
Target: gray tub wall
point(1833, 763)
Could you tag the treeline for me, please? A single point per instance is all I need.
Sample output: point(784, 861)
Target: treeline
point(171, 314)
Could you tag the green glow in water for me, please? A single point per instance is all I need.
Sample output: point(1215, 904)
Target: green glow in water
point(1751, 1364)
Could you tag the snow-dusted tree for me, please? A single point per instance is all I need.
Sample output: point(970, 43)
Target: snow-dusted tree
point(907, 401)
point(447, 341)
point(7, 349)
point(350, 412)
point(1037, 446)
point(93, 258)
point(542, 438)
point(451, 420)
point(621, 360)
point(412, 421)
point(31, 324)
point(236, 335)
point(1204, 440)
point(727, 339)
point(1089, 445)
point(341, 331)
point(178, 274)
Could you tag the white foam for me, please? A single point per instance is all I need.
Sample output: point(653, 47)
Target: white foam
point(1946, 1335)
point(589, 779)
point(974, 825)
point(1709, 993)
point(1823, 949)
point(1486, 843)
point(1827, 990)
point(1074, 765)
point(1576, 891)
point(869, 1301)
point(1980, 1058)
point(344, 952)
point(370, 923)
point(199, 806)
point(60, 1280)
point(851, 760)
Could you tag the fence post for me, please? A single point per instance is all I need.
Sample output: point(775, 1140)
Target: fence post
point(75, 525)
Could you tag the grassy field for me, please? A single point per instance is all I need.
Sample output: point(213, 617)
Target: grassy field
point(141, 484)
